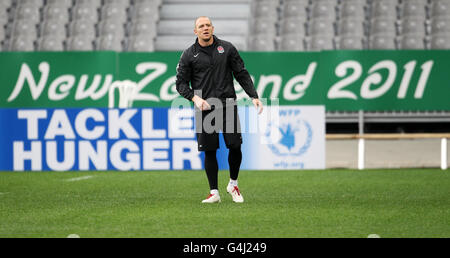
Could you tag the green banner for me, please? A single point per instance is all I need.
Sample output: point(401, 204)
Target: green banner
point(56, 79)
point(340, 80)
point(386, 80)
point(276, 76)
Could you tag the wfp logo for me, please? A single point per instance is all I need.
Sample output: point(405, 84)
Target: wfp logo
point(290, 136)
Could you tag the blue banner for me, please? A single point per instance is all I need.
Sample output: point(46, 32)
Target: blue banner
point(97, 139)
point(79, 139)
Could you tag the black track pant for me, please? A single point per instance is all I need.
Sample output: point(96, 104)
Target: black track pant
point(212, 168)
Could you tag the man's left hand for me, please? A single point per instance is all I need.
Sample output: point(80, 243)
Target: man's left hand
point(258, 105)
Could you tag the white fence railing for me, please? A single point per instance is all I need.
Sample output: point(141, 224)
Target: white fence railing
point(362, 137)
point(127, 92)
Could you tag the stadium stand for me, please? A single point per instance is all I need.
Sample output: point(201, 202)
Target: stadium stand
point(279, 25)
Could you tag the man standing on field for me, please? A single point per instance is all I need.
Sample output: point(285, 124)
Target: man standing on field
point(205, 76)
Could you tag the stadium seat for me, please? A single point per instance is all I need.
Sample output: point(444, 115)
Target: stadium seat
point(440, 42)
point(323, 10)
point(111, 27)
point(254, 3)
point(437, 1)
point(117, 2)
point(384, 9)
point(143, 28)
point(144, 12)
point(22, 43)
point(38, 3)
point(51, 28)
point(152, 3)
point(382, 42)
point(84, 12)
point(292, 42)
point(261, 42)
point(266, 9)
point(391, 3)
point(22, 27)
point(303, 2)
point(411, 42)
point(2, 33)
point(50, 43)
point(61, 3)
point(7, 3)
point(354, 9)
point(383, 26)
point(79, 43)
point(350, 26)
point(349, 42)
point(412, 26)
point(115, 12)
point(152, 9)
point(4, 16)
point(293, 25)
point(321, 27)
point(3, 23)
point(319, 42)
point(334, 2)
point(440, 8)
point(109, 42)
point(440, 25)
point(263, 25)
point(91, 3)
point(140, 43)
point(295, 9)
point(4, 45)
point(56, 13)
point(421, 2)
point(4, 6)
point(84, 28)
point(412, 9)
point(27, 12)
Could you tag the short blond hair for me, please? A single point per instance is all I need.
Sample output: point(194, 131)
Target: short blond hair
point(195, 22)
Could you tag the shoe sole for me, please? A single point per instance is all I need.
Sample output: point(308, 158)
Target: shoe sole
point(233, 198)
point(212, 202)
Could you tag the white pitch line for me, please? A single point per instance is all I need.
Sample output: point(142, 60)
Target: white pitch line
point(78, 178)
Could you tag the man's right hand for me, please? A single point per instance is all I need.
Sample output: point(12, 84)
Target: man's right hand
point(201, 103)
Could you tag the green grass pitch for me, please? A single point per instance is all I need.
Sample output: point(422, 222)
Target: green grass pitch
point(278, 204)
